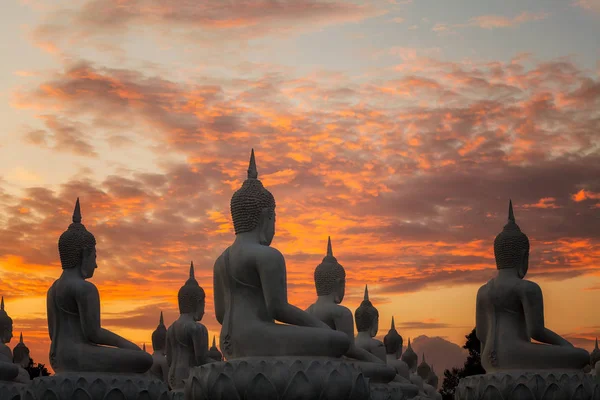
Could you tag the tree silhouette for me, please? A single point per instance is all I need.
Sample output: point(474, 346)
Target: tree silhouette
point(36, 369)
point(472, 366)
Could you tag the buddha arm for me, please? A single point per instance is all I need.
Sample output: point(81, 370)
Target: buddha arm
point(50, 312)
point(481, 328)
point(272, 273)
point(200, 340)
point(533, 306)
point(88, 303)
point(344, 322)
point(218, 294)
point(169, 347)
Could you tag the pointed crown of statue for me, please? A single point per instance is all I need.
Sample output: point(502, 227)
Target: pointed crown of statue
point(20, 351)
point(595, 355)
point(190, 294)
point(424, 370)
point(213, 352)
point(410, 357)
point(6, 322)
point(248, 201)
point(365, 314)
point(159, 336)
point(392, 341)
point(329, 273)
point(74, 240)
point(510, 244)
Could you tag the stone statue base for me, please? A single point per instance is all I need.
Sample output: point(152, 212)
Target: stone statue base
point(386, 391)
point(98, 386)
point(525, 385)
point(11, 390)
point(277, 378)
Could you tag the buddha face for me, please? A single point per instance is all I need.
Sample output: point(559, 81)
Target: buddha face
point(199, 312)
point(6, 334)
point(340, 291)
point(88, 262)
point(24, 362)
point(267, 226)
point(524, 265)
point(374, 327)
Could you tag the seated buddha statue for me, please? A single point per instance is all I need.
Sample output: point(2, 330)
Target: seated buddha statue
point(187, 338)
point(510, 312)
point(367, 325)
point(9, 371)
point(330, 282)
point(393, 349)
point(250, 288)
point(21, 357)
point(214, 352)
point(79, 343)
point(160, 368)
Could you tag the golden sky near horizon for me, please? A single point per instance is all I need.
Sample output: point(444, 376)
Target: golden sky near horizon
point(399, 128)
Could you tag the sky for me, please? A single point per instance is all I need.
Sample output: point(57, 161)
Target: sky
point(399, 128)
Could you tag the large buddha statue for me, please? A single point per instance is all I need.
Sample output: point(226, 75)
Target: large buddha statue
point(79, 343)
point(187, 338)
point(9, 371)
point(160, 368)
point(510, 312)
point(367, 325)
point(330, 282)
point(250, 288)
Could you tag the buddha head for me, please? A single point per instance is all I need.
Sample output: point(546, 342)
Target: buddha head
point(393, 341)
point(159, 336)
point(424, 370)
point(330, 277)
point(433, 379)
point(6, 324)
point(253, 207)
point(367, 316)
point(410, 357)
point(191, 297)
point(77, 246)
point(511, 246)
point(213, 352)
point(21, 353)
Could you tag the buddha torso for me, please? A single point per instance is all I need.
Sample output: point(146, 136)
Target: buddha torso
point(372, 345)
point(159, 368)
point(8, 370)
point(328, 312)
point(187, 342)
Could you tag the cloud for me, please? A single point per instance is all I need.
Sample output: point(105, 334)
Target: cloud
point(498, 21)
point(593, 5)
point(66, 137)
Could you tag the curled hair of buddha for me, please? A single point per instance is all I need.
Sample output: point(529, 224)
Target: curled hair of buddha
point(20, 351)
point(329, 273)
point(248, 202)
point(72, 242)
point(410, 357)
point(159, 336)
point(392, 341)
point(6, 322)
point(510, 244)
point(365, 314)
point(190, 294)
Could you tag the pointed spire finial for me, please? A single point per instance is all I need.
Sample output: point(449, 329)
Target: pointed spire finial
point(161, 321)
point(77, 212)
point(511, 215)
point(214, 343)
point(393, 324)
point(366, 298)
point(252, 171)
point(192, 275)
point(423, 357)
point(408, 342)
point(596, 346)
point(144, 346)
point(2, 304)
point(21, 338)
point(329, 250)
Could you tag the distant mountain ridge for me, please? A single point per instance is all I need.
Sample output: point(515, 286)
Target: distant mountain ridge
point(439, 352)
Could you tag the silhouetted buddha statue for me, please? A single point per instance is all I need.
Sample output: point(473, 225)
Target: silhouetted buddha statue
point(187, 339)
point(250, 288)
point(79, 343)
point(595, 355)
point(510, 312)
point(160, 368)
point(393, 349)
point(214, 352)
point(9, 371)
point(424, 372)
point(330, 282)
point(367, 325)
point(22, 358)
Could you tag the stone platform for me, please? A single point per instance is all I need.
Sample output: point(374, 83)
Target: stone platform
point(529, 385)
point(97, 386)
point(277, 378)
point(11, 390)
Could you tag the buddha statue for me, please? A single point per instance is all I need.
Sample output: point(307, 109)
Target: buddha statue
point(250, 288)
point(424, 372)
point(595, 355)
point(367, 325)
point(411, 359)
point(213, 352)
point(187, 338)
point(160, 368)
point(433, 379)
point(393, 349)
point(510, 312)
point(79, 343)
point(9, 371)
point(21, 357)
point(330, 283)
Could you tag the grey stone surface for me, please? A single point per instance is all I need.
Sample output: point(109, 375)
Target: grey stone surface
point(277, 378)
point(78, 342)
point(510, 311)
point(11, 390)
point(529, 385)
point(250, 288)
point(160, 368)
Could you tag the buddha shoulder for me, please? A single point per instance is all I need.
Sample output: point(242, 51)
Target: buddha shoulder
point(530, 289)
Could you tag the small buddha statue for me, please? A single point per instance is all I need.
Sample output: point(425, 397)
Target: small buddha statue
point(79, 343)
point(187, 338)
point(510, 312)
point(433, 379)
point(330, 282)
point(411, 359)
point(214, 352)
point(250, 288)
point(595, 355)
point(9, 371)
point(424, 372)
point(160, 368)
point(22, 358)
point(393, 349)
point(367, 325)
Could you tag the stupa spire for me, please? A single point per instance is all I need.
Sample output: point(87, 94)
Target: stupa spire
point(77, 212)
point(329, 250)
point(393, 324)
point(596, 345)
point(214, 343)
point(252, 171)
point(144, 346)
point(161, 321)
point(2, 304)
point(21, 338)
point(366, 298)
point(511, 215)
point(192, 275)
